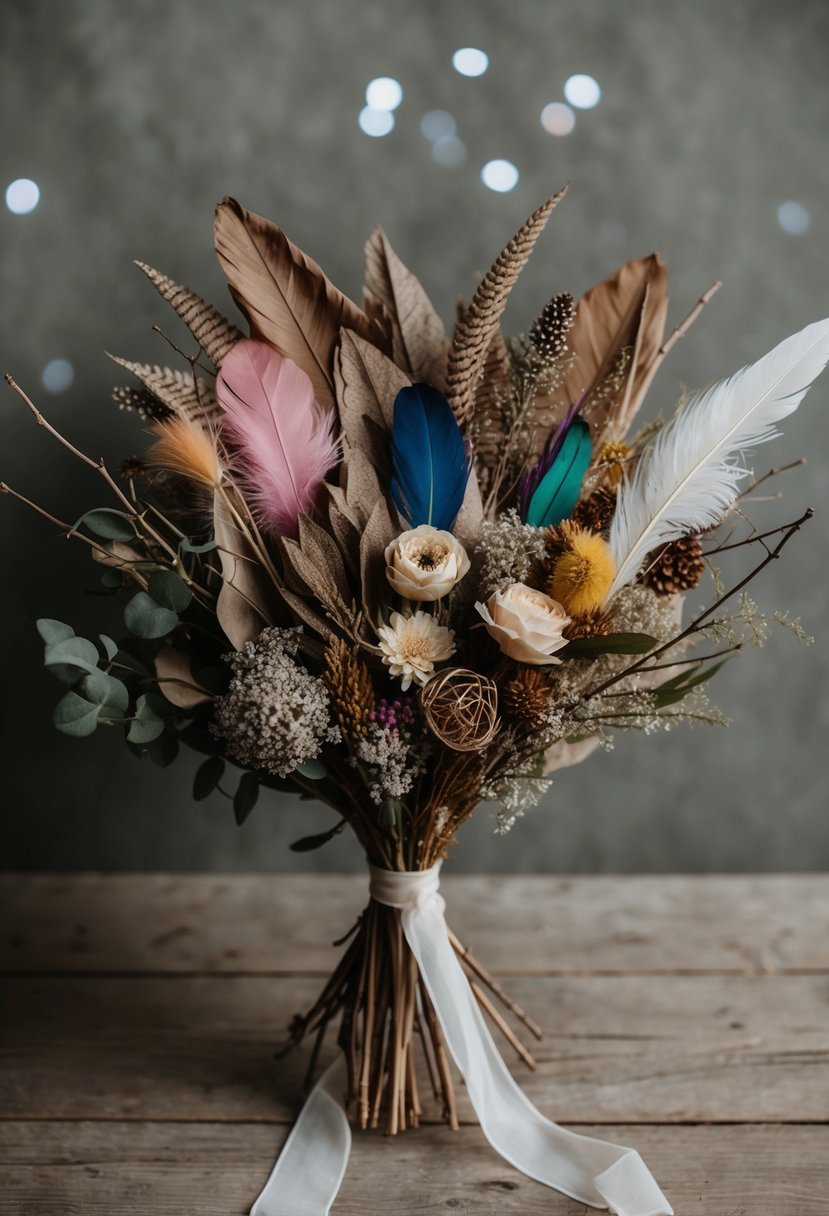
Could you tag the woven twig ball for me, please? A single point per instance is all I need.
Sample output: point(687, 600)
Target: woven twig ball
point(461, 709)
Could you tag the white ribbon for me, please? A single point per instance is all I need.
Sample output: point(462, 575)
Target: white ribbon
point(310, 1168)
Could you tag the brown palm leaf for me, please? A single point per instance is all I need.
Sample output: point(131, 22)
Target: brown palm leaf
point(285, 296)
point(475, 330)
point(213, 332)
point(391, 291)
point(626, 312)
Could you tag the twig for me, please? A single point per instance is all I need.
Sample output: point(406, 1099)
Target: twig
point(466, 956)
point(683, 327)
point(783, 468)
point(491, 1012)
point(694, 627)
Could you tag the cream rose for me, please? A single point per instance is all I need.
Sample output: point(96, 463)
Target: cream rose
point(425, 564)
point(525, 623)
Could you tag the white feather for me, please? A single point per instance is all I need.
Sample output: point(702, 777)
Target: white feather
point(688, 478)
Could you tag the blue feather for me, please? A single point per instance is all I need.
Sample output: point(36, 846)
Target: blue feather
point(557, 492)
point(429, 459)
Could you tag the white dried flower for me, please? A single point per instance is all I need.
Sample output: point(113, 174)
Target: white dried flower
point(425, 563)
point(526, 624)
point(392, 763)
point(411, 646)
point(275, 715)
point(507, 550)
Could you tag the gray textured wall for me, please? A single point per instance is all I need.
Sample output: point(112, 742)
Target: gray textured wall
point(135, 119)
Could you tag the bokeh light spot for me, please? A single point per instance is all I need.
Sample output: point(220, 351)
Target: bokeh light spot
point(793, 218)
point(57, 376)
point(437, 124)
point(449, 151)
point(375, 122)
point(582, 91)
point(557, 118)
point(500, 175)
point(384, 93)
point(470, 61)
point(22, 195)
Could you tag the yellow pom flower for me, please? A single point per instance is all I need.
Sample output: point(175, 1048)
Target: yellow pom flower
point(583, 574)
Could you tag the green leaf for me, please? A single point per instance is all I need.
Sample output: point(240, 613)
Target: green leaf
point(146, 725)
point(312, 770)
point(187, 546)
point(208, 775)
point(676, 689)
point(75, 715)
point(611, 643)
point(106, 691)
point(163, 750)
point(308, 843)
point(167, 589)
point(69, 658)
point(108, 523)
point(146, 618)
point(110, 647)
point(245, 798)
point(53, 631)
point(112, 579)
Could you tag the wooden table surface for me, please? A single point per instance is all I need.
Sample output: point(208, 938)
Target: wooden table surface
point(685, 1017)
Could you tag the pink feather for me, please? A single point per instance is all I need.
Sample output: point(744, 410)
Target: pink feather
point(283, 437)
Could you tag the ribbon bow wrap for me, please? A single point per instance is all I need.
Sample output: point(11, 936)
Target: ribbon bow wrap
point(310, 1168)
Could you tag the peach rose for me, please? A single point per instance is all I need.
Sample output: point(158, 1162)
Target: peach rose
point(526, 624)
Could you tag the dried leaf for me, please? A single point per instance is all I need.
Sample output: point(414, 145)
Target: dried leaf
point(321, 547)
point(285, 296)
point(477, 327)
point(176, 679)
point(241, 607)
point(379, 532)
point(304, 610)
point(362, 488)
point(213, 332)
point(367, 384)
point(177, 390)
point(467, 527)
point(628, 310)
point(419, 340)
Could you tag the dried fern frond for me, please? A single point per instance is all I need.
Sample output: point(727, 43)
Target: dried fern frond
point(213, 332)
point(177, 390)
point(475, 330)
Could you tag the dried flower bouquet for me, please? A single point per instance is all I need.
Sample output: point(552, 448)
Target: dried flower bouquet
point(403, 573)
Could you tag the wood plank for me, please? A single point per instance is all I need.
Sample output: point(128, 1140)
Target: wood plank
point(272, 923)
point(616, 1049)
point(146, 1169)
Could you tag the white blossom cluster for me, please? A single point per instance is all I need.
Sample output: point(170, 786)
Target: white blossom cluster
point(275, 715)
point(517, 793)
point(393, 765)
point(507, 549)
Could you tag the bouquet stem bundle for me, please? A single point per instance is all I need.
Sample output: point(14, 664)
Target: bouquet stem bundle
point(388, 1029)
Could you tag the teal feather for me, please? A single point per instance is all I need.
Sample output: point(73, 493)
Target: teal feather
point(558, 491)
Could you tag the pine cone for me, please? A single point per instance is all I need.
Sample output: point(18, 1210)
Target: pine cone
point(676, 567)
point(590, 625)
point(596, 512)
point(525, 698)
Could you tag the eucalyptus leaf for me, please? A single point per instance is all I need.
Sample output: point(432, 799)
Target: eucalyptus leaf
point(146, 725)
point(106, 691)
point(53, 631)
point(169, 590)
point(187, 546)
point(308, 843)
point(108, 523)
point(110, 647)
point(112, 579)
point(611, 643)
point(246, 796)
point(208, 775)
point(74, 715)
point(70, 658)
point(312, 770)
point(146, 618)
